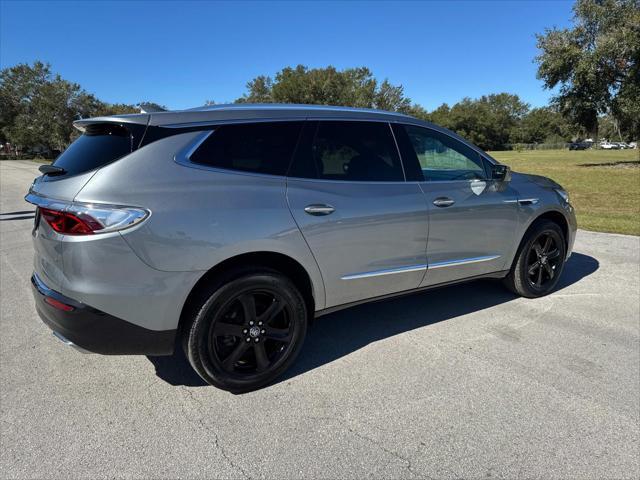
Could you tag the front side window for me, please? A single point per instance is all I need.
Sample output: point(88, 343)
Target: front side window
point(250, 147)
point(442, 157)
point(349, 151)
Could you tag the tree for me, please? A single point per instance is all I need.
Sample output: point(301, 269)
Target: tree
point(543, 125)
point(40, 106)
point(489, 121)
point(353, 87)
point(595, 64)
point(37, 108)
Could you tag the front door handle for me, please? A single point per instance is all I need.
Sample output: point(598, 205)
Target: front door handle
point(319, 209)
point(443, 202)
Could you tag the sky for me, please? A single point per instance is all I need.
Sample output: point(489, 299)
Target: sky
point(181, 54)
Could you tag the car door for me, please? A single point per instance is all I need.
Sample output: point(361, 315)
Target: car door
point(472, 219)
point(366, 226)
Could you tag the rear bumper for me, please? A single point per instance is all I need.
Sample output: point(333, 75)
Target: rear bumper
point(96, 331)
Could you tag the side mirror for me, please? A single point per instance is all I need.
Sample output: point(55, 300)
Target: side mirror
point(502, 173)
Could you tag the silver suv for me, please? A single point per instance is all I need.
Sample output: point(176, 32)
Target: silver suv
point(227, 229)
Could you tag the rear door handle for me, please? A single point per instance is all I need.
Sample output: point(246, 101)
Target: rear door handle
point(319, 209)
point(443, 202)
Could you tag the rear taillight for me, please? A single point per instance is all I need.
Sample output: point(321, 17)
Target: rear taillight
point(70, 224)
point(74, 218)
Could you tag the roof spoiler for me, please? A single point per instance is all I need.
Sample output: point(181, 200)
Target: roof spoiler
point(136, 118)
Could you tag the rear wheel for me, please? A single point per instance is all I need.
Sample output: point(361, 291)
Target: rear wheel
point(248, 331)
point(539, 262)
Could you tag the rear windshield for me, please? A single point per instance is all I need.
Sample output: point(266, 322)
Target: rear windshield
point(97, 146)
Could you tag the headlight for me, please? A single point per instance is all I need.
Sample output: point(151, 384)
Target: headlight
point(563, 194)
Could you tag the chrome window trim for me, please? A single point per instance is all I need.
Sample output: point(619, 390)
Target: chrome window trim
point(462, 261)
point(455, 181)
point(199, 140)
point(352, 182)
point(389, 271)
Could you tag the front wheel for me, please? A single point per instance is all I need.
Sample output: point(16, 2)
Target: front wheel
point(248, 331)
point(539, 262)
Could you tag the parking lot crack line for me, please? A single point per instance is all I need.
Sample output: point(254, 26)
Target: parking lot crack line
point(408, 462)
point(212, 431)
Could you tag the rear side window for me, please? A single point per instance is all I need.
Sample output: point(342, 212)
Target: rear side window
point(349, 151)
point(99, 145)
point(253, 147)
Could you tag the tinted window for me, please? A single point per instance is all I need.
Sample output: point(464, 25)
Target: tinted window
point(443, 158)
point(98, 145)
point(350, 151)
point(252, 147)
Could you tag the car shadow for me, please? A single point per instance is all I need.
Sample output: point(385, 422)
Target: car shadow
point(336, 335)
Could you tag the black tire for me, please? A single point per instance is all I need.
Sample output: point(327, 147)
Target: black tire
point(539, 262)
point(246, 330)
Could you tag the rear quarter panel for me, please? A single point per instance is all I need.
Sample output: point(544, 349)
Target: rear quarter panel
point(200, 216)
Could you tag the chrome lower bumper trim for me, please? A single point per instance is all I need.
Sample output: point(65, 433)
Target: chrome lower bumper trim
point(68, 342)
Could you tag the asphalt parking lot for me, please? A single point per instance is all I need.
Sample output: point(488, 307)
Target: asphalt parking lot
point(466, 381)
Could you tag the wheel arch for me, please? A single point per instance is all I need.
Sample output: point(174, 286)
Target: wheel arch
point(263, 259)
point(554, 216)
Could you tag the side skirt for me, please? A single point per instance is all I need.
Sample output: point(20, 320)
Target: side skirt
point(326, 311)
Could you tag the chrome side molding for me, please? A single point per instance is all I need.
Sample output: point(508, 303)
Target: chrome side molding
point(418, 268)
point(389, 271)
point(463, 261)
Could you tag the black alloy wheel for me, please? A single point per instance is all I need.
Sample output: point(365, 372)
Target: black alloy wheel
point(539, 261)
point(543, 260)
point(252, 333)
point(248, 330)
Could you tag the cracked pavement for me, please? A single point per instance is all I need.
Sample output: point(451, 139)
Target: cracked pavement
point(466, 381)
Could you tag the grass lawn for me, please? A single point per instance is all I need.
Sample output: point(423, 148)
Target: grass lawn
point(603, 185)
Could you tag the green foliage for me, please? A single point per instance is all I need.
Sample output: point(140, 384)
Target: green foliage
point(490, 121)
point(37, 108)
point(543, 125)
point(352, 87)
point(596, 64)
